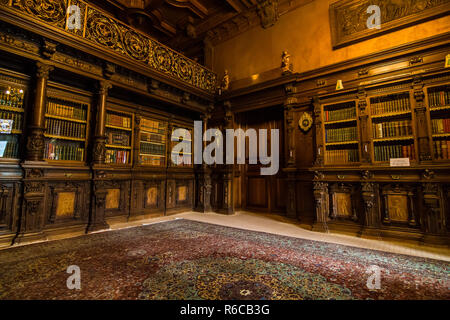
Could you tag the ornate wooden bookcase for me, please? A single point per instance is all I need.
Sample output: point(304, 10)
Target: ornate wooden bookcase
point(370, 196)
point(180, 183)
point(90, 144)
point(14, 94)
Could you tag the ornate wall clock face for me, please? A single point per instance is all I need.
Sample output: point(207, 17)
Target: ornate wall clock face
point(305, 122)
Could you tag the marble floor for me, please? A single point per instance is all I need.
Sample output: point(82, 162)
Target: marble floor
point(276, 224)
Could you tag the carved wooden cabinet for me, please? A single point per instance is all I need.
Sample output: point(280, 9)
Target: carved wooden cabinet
point(358, 187)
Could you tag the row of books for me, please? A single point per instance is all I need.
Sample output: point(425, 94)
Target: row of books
point(16, 117)
point(341, 156)
point(153, 161)
point(118, 138)
point(77, 112)
point(65, 128)
point(442, 149)
point(153, 126)
point(386, 152)
point(440, 126)
point(9, 147)
point(118, 121)
point(149, 148)
point(340, 114)
point(66, 151)
point(117, 156)
point(392, 129)
point(439, 98)
point(12, 99)
point(148, 137)
point(390, 104)
point(341, 134)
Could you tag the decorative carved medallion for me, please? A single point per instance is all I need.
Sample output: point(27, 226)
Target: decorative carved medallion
point(267, 12)
point(305, 122)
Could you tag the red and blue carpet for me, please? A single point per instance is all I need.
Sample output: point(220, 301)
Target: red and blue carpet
point(185, 259)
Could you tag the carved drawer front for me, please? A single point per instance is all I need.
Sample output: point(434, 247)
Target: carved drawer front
point(182, 193)
point(343, 204)
point(113, 199)
point(152, 196)
point(399, 206)
point(68, 202)
point(65, 207)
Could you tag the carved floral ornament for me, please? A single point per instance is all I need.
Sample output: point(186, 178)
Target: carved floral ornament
point(109, 33)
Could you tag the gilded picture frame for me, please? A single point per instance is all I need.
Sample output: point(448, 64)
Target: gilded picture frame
point(348, 18)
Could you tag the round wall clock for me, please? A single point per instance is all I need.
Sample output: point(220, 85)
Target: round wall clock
point(305, 122)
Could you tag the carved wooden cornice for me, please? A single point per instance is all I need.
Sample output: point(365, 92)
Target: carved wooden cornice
point(102, 33)
point(265, 14)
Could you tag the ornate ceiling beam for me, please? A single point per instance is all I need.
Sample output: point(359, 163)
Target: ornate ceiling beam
point(193, 5)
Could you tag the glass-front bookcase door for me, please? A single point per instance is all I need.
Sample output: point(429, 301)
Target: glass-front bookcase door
point(181, 146)
point(153, 142)
point(119, 137)
point(66, 124)
point(11, 120)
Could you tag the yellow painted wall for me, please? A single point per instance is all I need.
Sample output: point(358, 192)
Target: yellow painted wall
point(305, 34)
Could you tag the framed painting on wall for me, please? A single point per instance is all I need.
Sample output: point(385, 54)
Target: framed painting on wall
point(349, 18)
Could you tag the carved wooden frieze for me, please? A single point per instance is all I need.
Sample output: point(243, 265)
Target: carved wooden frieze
point(99, 29)
point(349, 17)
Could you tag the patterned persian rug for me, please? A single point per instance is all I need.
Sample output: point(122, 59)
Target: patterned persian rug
point(183, 259)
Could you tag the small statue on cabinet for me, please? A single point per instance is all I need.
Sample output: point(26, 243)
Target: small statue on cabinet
point(225, 84)
point(286, 66)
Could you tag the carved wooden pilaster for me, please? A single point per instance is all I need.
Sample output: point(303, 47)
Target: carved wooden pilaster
point(421, 121)
point(227, 197)
point(204, 184)
point(321, 198)
point(97, 219)
point(32, 217)
point(369, 196)
point(100, 137)
point(290, 137)
point(291, 205)
point(320, 152)
point(434, 220)
point(364, 120)
point(35, 141)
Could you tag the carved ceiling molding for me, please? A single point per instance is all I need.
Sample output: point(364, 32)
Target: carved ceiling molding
point(265, 14)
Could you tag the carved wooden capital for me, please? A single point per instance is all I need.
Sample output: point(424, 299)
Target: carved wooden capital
point(104, 86)
point(43, 70)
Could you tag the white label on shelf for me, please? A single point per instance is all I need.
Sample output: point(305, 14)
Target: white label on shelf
point(6, 126)
point(400, 162)
point(2, 148)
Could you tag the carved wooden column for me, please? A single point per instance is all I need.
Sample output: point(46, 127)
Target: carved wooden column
point(35, 140)
point(228, 174)
point(100, 137)
point(321, 198)
point(434, 219)
point(290, 137)
point(320, 151)
point(204, 184)
point(291, 202)
point(363, 120)
point(421, 121)
point(97, 219)
point(32, 217)
point(369, 195)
